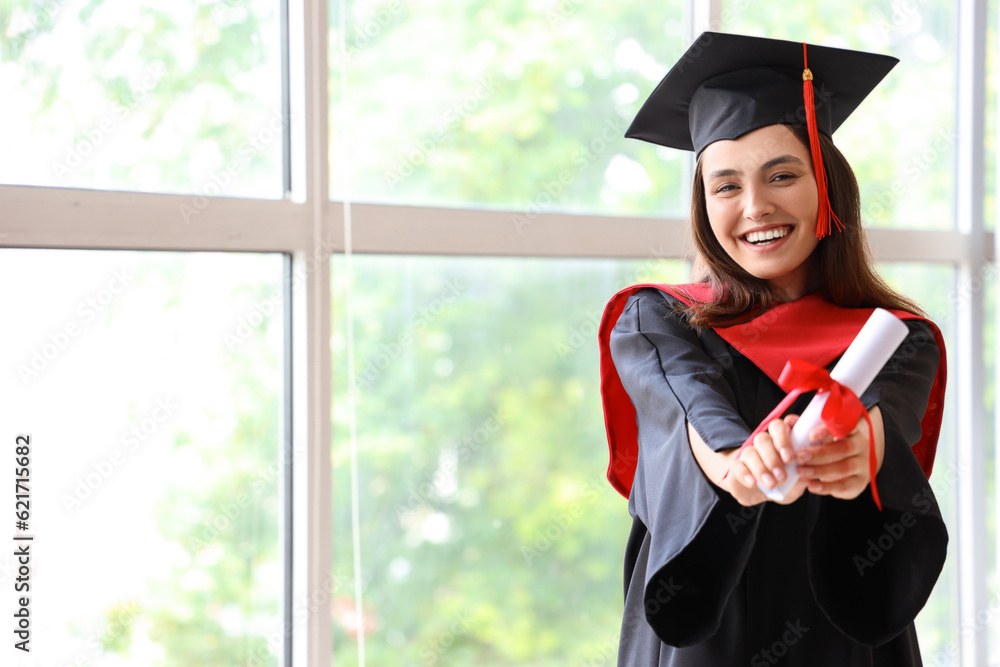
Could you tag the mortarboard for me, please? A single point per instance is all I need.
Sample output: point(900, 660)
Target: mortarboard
point(727, 85)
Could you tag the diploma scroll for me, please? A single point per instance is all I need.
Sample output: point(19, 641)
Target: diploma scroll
point(871, 349)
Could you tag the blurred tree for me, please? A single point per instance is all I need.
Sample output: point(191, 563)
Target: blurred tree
point(489, 534)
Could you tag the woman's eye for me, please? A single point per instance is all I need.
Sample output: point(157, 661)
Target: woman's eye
point(728, 187)
point(784, 177)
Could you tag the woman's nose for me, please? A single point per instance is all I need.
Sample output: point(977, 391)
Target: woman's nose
point(757, 203)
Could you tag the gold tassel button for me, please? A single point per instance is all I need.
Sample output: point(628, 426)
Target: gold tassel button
point(807, 74)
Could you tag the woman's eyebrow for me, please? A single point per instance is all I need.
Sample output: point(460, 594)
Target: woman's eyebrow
point(773, 162)
point(781, 159)
point(725, 173)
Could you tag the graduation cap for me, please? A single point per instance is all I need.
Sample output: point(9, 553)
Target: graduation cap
point(727, 85)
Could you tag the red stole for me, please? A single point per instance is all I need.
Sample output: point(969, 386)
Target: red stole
point(810, 328)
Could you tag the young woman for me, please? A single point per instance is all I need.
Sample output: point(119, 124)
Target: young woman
point(715, 573)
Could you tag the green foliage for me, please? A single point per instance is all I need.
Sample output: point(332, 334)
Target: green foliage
point(489, 534)
point(120, 625)
point(168, 96)
point(503, 105)
point(219, 600)
point(901, 141)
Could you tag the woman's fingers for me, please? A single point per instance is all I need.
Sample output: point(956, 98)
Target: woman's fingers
point(769, 449)
point(837, 470)
point(741, 472)
point(846, 488)
point(795, 492)
point(834, 451)
point(780, 431)
point(830, 467)
point(820, 435)
point(753, 470)
point(762, 461)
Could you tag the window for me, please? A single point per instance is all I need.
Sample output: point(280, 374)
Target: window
point(151, 386)
point(469, 143)
point(147, 96)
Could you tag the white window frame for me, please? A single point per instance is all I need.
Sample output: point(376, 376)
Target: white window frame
point(308, 226)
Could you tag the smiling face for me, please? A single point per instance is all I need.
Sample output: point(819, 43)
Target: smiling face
point(762, 203)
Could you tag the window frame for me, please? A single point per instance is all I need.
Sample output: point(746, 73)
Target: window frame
point(308, 227)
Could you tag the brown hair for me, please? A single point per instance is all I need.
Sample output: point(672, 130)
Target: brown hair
point(844, 267)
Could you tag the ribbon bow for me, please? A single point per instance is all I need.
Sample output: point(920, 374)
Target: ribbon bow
point(841, 412)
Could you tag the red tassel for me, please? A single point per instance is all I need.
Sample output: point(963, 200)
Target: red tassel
point(825, 208)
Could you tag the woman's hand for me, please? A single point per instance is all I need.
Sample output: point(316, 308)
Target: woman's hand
point(839, 468)
point(763, 463)
point(731, 475)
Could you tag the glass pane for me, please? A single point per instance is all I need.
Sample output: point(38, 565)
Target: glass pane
point(933, 287)
point(992, 110)
point(901, 140)
point(519, 106)
point(992, 628)
point(480, 430)
point(151, 385)
point(143, 95)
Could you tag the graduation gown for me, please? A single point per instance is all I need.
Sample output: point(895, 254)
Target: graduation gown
point(710, 583)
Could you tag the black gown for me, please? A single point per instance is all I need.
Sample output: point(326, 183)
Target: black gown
point(710, 583)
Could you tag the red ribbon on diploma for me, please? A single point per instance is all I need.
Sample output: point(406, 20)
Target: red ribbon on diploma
point(841, 412)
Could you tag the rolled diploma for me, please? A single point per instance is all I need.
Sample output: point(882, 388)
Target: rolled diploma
point(868, 353)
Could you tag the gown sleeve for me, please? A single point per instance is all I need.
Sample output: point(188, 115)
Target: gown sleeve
point(871, 572)
point(700, 538)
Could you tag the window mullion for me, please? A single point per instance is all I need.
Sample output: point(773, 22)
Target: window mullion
point(309, 284)
point(970, 190)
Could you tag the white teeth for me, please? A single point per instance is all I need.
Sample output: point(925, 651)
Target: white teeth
point(770, 234)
